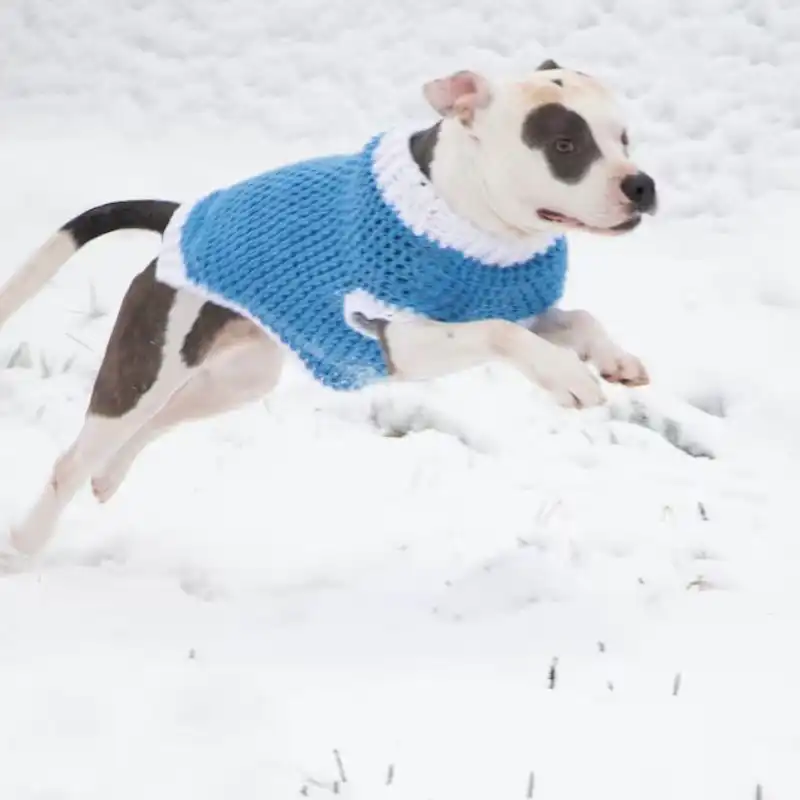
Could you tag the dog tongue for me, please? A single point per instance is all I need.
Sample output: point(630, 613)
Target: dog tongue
point(552, 216)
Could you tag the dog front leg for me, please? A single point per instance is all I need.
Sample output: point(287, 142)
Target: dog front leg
point(419, 349)
point(581, 332)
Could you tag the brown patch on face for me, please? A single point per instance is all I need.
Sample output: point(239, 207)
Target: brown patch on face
point(564, 138)
point(133, 355)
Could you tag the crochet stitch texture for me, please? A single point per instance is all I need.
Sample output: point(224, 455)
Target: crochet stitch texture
point(286, 247)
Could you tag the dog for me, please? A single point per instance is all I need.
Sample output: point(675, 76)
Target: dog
point(518, 164)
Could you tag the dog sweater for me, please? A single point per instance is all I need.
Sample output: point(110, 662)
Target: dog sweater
point(298, 249)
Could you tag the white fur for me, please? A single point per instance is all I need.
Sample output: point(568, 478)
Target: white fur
point(35, 273)
point(580, 331)
point(425, 211)
point(102, 437)
point(424, 349)
point(488, 175)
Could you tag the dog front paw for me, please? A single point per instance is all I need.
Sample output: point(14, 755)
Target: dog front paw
point(618, 366)
point(569, 380)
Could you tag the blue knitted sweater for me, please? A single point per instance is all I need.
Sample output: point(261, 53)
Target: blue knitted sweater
point(291, 247)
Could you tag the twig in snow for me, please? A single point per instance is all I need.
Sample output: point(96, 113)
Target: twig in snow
point(21, 357)
point(81, 343)
point(601, 646)
point(531, 785)
point(676, 684)
point(390, 775)
point(69, 363)
point(701, 509)
point(340, 767)
point(759, 792)
point(552, 674)
point(96, 311)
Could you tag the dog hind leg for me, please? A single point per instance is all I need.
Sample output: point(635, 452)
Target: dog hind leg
point(142, 369)
point(244, 365)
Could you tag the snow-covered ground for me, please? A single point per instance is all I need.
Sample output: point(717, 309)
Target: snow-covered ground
point(607, 600)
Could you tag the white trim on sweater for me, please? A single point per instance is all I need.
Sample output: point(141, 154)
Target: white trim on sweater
point(425, 212)
point(417, 204)
point(170, 267)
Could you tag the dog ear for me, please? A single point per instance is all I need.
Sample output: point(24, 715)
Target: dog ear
point(549, 64)
point(458, 95)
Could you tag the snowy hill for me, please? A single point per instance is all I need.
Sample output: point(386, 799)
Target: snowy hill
point(606, 600)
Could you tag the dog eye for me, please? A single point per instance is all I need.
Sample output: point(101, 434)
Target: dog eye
point(624, 139)
point(565, 145)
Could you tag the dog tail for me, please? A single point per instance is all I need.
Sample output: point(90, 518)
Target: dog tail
point(147, 215)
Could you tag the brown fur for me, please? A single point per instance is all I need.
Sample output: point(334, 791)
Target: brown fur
point(133, 355)
point(209, 326)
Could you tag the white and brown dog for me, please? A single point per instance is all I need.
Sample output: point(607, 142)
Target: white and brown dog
point(517, 160)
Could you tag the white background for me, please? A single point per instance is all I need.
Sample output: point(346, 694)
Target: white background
point(285, 581)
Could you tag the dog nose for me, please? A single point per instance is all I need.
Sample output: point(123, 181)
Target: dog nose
point(640, 189)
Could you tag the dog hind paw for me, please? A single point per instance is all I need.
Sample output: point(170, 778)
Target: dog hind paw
point(104, 487)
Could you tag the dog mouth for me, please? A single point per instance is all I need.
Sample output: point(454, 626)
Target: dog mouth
point(570, 222)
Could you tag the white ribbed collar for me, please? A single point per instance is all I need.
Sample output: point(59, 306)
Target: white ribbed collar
point(425, 212)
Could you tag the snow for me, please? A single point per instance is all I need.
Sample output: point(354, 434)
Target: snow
point(606, 599)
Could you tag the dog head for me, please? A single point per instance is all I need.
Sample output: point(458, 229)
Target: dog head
point(551, 152)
